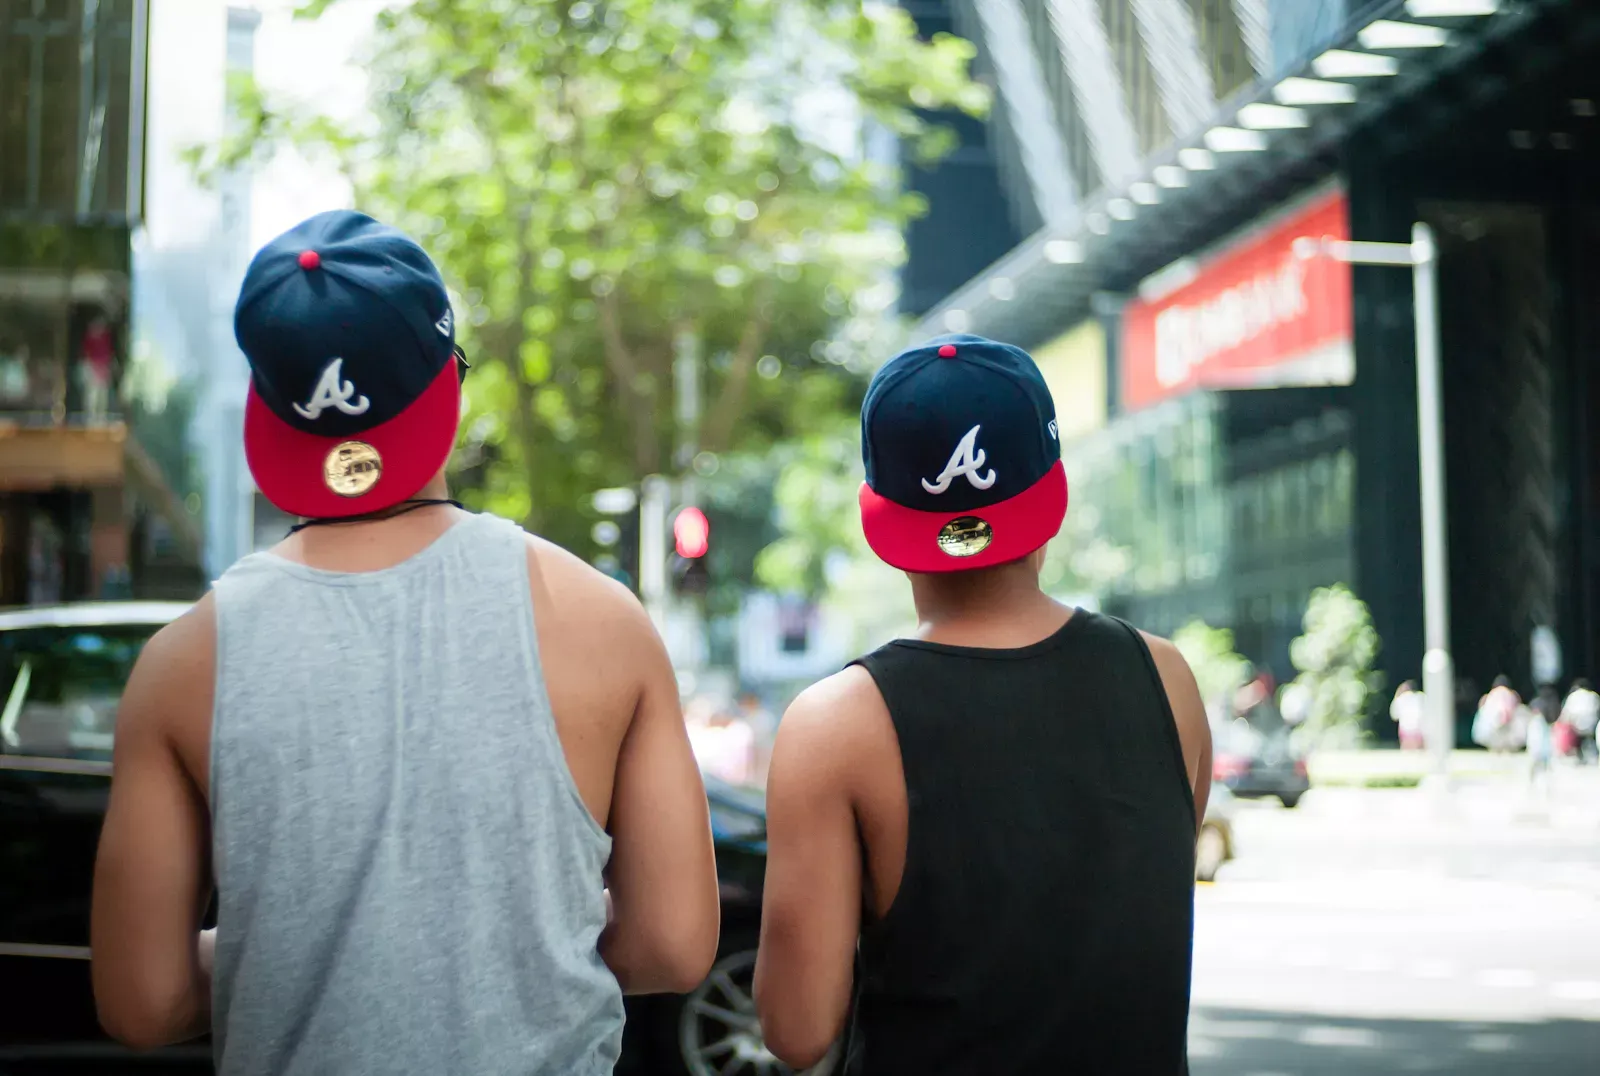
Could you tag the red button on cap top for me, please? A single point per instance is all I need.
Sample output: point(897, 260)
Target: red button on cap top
point(310, 259)
point(947, 351)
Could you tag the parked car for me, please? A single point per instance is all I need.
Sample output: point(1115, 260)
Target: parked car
point(62, 670)
point(1259, 765)
point(1214, 846)
point(61, 673)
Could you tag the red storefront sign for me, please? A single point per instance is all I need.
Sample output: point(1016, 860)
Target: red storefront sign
point(1257, 316)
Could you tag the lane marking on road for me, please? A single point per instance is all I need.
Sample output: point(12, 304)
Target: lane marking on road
point(1329, 1035)
point(1506, 978)
point(1577, 990)
point(1490, 1043)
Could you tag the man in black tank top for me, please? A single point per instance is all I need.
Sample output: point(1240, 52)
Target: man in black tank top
point(981, 840)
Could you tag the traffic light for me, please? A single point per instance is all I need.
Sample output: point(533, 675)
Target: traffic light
point(689, 575)
point(691, 533)
point(691, 537)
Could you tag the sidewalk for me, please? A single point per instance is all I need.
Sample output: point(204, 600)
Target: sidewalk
point(1571, 806)
point(1390, 767)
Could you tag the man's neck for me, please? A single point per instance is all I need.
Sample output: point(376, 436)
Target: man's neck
point(999, 608)
point(369, 545)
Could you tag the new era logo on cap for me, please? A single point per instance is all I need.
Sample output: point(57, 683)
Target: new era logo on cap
point(355, 394)
point(962, 456)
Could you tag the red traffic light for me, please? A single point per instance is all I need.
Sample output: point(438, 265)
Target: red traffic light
point(691, 531)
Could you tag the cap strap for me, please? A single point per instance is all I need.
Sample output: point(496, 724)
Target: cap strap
point(383, 513)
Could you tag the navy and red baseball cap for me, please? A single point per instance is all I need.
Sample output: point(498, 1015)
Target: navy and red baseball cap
point(355, 387)
point(963, 457)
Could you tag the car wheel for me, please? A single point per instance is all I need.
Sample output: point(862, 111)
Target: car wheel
point(718, 1032)
point(1290, 800)
point(1210, 853)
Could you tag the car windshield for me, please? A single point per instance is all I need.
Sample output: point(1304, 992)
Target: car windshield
point(62, 686)
point(736, 813)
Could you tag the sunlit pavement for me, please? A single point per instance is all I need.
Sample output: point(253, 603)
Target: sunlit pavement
point(1398, 931)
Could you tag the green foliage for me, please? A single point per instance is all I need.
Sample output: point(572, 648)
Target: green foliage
point(1084, 558)
point(32, 245)
point(1218, 669)
point(821, 553)
point(815, 498)
point(599, 179)
point(1335, 658)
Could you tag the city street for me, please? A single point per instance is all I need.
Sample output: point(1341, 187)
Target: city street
point(1378, 931)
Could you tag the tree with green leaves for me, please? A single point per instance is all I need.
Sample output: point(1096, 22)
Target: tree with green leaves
point(821, 552)
point(611, 184)
point(1218, 669)
point(1335, 656)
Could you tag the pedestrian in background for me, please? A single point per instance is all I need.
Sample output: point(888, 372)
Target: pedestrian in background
point(95, 363)
point(1581, 711)
point(1547, 705)
point(421, 752)
point(1500, 723)
point(998, 814)
point(724, 743)
point(1408, 710)
point(1540, 748)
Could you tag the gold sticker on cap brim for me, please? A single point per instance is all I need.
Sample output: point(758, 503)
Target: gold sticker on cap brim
point(966, 536)
point(352, 468)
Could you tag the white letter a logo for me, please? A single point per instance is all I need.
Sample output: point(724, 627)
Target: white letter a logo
point(965, 460)
point(333, 391)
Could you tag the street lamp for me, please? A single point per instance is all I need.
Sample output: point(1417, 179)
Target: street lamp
point(1421, 255)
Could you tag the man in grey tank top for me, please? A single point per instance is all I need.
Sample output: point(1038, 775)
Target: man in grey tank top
point(432, 767)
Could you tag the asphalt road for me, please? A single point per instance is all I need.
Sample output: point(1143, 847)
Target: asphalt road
point(1395, 931)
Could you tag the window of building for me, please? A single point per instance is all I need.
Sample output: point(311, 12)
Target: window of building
point(65, 72)
point(1150, 122)
point(1222, 44)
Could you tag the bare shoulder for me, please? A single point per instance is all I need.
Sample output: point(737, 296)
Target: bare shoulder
point(839, 726)
point(580, 596)
point(600, 653)
point(1176, 677)
point(182, 654)
point(1188, 709)
point(169, 695)
point(1168, 658)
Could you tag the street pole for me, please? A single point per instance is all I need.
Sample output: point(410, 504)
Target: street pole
point(1438, 677)
point(686, 391)
point(654, 500)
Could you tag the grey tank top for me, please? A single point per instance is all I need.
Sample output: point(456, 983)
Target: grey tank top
point(408, 881)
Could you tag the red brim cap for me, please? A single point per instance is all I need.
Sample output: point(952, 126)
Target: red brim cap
point(929, 542)
point(302, 473)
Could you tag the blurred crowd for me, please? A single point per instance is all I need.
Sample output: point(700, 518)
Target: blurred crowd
point(732, 738)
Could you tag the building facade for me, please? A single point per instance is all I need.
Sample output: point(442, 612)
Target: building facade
point(1159, 159)
point(88, 507)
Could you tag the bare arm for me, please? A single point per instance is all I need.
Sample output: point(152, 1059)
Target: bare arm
point(811, 911)
point(151, 967)
point(1194, 730)
point(663, 873)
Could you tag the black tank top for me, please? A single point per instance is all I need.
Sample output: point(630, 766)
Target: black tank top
point(1045, 918)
